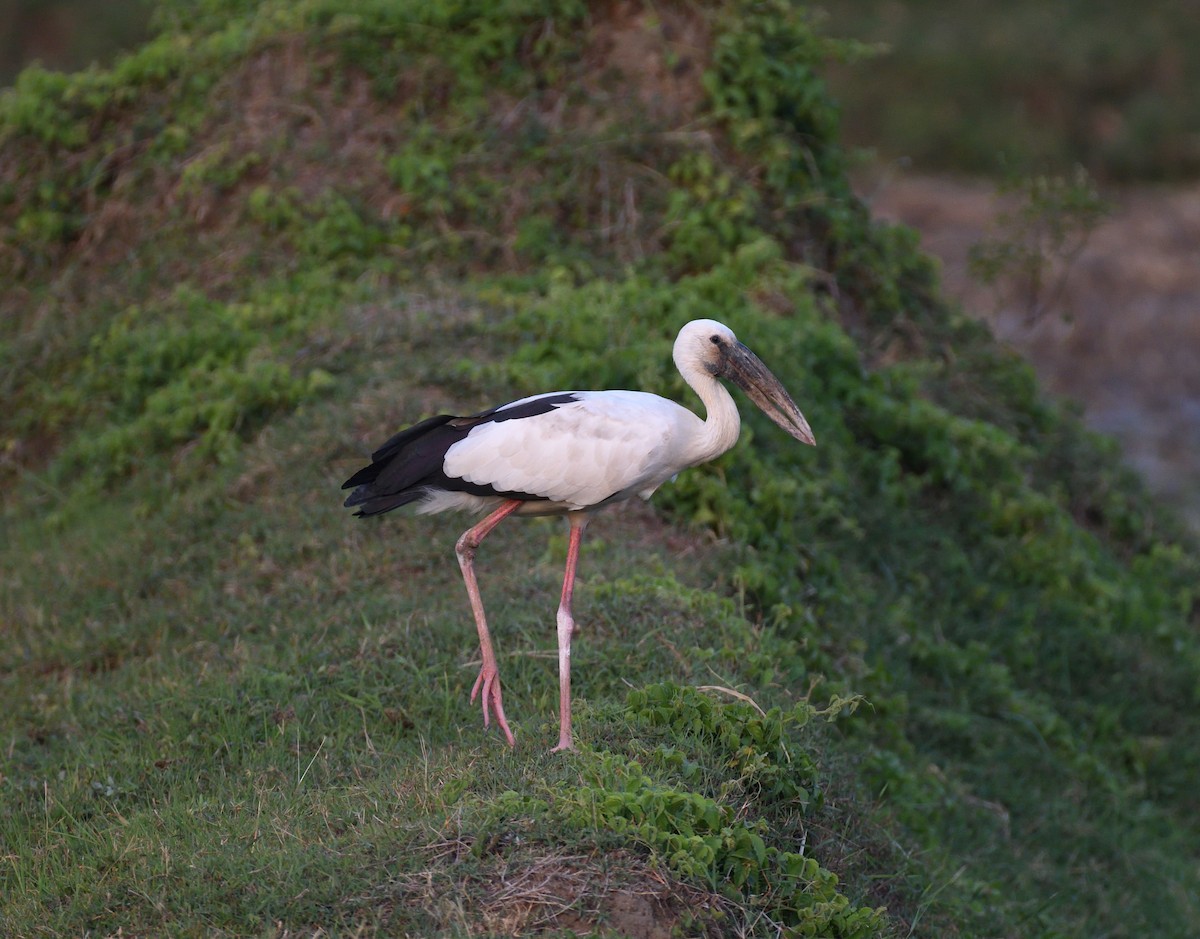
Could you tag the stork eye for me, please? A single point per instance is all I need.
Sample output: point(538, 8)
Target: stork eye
point(715, 339)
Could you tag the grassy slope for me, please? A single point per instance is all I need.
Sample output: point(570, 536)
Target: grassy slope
point(238, 259)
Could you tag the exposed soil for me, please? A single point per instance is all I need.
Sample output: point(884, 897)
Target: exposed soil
point(522, 889)
point(1122, 337)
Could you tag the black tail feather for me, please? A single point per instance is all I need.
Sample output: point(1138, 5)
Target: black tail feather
point(381, 457)
point(373, 504)
point(400, 471)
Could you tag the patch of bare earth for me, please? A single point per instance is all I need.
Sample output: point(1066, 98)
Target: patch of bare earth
point(535, 889)
point(659, 53)
point(1122, 336)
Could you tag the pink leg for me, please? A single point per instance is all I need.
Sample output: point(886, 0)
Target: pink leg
point(489, 674)
point(566, 626)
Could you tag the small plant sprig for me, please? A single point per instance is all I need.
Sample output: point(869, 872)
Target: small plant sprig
point(1039, 238)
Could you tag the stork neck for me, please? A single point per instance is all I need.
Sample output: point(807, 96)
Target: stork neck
point(722, 422)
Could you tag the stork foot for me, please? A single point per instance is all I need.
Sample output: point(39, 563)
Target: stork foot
point(489, 683)
point(564, 743)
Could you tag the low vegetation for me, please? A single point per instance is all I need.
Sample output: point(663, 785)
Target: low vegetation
point(937, 677)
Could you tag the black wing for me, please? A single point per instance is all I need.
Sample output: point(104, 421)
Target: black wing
point(410, 464)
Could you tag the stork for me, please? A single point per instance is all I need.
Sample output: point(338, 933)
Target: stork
point(567, 453)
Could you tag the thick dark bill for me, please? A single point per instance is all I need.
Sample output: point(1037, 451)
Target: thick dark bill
point(748, 372)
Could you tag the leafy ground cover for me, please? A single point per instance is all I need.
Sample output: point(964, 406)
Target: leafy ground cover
point(937, 677)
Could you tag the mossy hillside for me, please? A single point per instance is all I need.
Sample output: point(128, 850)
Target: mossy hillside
point(260, 724)
point(956, 549)
point(1013, 667)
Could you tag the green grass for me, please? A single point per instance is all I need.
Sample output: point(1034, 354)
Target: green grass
point(966, 637)
point(265, 717)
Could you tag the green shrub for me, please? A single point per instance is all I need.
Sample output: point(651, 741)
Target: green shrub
point(202, 374)
point(684, 806)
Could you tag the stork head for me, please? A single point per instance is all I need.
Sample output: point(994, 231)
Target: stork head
point(712, 347)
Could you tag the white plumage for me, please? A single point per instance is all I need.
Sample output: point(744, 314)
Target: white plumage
point(568, 453)
point(617, 443)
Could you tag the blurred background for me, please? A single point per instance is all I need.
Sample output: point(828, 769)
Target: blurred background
point(1049, 154)
point(68, 35)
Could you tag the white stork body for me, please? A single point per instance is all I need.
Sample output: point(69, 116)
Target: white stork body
point(567, 453)
point(618, 444)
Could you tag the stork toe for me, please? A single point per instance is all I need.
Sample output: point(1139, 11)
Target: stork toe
point(489, 683)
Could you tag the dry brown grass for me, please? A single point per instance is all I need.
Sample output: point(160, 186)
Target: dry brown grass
point(524, 889)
